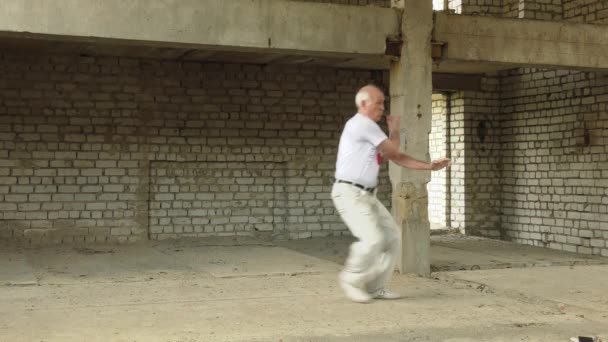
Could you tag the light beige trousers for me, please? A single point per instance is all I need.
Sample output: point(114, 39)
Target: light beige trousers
point(371, 260)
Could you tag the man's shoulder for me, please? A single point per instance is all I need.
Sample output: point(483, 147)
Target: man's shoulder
point(358, 121)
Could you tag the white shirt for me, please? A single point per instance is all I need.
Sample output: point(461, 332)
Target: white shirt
point(358, 160)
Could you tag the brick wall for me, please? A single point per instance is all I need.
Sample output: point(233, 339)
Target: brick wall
point(116, 149)
point(447, 187)
point(510, 8)
point(541, 9)
point(492, 8)
point(586, 11)
point(473, 198)
point(555, 192)
point(482, 7)
point(595, 11)
point(221, 198)
point(482, 159)
point(437, 192)
point(539, 176)
point(553, 189)
point(524, 9)
point(457, 156)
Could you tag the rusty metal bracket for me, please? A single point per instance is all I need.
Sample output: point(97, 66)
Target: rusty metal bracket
point(437, 50)
point(394, 45)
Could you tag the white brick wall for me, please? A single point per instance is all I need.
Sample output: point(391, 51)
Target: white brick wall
point(540, 9)
point(553, 190)
point(554, 148)
point(482, 159)
point(82, 142)
point(538, 177)
point(510, 8)
point(524, 9)
point(586, 11)
point(447, 206)
point(226, 198)
point(437, 191)
point(589, 11)
point(477, 7)
point(474, 205)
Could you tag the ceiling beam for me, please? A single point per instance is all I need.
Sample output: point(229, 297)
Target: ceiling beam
point(522, 42)
point(454, 82)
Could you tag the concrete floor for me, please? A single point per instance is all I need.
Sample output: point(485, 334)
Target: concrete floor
point(247, 290)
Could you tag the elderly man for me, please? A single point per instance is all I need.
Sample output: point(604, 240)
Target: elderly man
point(362, 146)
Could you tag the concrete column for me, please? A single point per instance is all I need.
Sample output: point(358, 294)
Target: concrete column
point(410, 93)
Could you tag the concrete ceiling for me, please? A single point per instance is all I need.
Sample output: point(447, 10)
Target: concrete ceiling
point(292, 32)
point(466, 67)
point(49, 45)
point(128, 49)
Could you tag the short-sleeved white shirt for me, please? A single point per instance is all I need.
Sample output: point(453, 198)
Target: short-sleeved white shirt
point(358, 160)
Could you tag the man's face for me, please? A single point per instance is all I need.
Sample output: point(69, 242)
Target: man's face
point(375, 107)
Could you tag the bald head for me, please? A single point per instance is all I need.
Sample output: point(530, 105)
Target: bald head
point(370, 102)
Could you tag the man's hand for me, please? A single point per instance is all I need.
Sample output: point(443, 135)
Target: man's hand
point(440, 164)
point(392, 121)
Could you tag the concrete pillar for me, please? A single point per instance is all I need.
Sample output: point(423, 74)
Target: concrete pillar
point(410, 94)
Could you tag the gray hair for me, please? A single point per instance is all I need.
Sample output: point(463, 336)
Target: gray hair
point(362, 96)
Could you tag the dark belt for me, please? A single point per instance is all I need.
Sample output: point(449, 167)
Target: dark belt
point(355, 184)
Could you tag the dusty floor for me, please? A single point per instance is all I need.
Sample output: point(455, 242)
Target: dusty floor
point(246, 290)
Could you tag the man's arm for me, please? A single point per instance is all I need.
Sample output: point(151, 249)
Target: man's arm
point(393, 128)
point(390, 149)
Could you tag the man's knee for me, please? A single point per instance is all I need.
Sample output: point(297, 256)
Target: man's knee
point(373, 246)
point(394, 245)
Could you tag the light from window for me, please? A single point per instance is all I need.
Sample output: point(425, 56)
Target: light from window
point(438, 5)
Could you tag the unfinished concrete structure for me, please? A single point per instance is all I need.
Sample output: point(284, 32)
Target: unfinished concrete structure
point(130, 121)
